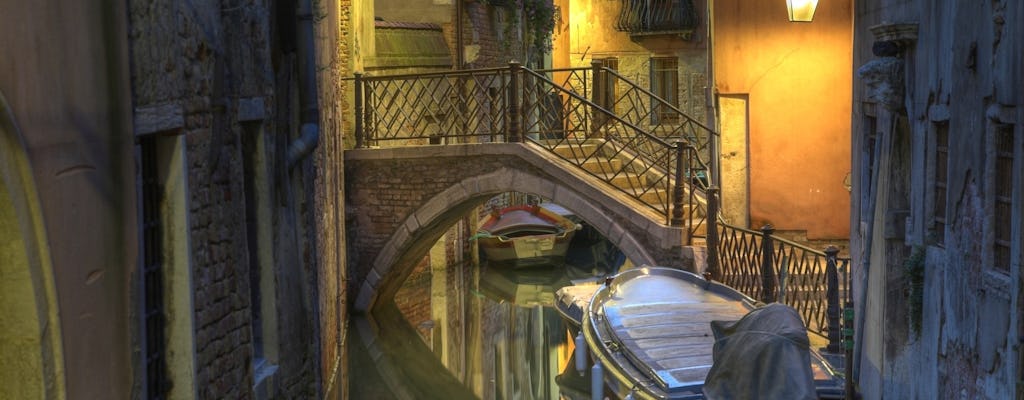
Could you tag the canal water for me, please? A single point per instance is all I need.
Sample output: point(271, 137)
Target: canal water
point(488, 332)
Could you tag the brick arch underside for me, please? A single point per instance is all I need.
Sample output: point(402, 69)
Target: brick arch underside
point(443, 210)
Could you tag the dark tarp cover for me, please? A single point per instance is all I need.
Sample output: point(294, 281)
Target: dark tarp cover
point(764, 355)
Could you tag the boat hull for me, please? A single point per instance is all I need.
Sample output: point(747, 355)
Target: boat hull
point(650, 328)
point(525, 236)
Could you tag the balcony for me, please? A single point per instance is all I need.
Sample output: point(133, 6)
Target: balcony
point(643, 18)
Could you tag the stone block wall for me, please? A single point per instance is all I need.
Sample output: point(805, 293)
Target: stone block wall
point(234, 81)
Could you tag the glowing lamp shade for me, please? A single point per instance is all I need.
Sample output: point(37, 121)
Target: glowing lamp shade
point(801, 10)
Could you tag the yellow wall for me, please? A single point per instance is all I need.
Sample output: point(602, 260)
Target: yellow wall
point(798, 78)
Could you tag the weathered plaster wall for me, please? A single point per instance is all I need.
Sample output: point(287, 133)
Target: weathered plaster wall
point(958, 66)
point(64, 78)
point(798, 79)
point(589, 33)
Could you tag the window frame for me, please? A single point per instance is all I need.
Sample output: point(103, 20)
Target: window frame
point(667, 91)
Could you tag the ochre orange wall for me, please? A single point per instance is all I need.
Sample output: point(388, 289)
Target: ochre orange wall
point(798, 77)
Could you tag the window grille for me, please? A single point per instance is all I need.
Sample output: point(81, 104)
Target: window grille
point(665, 84)
point(152, 273)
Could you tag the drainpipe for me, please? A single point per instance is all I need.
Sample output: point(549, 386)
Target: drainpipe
point(309, 136)
point(460, 45)
point(709, 99)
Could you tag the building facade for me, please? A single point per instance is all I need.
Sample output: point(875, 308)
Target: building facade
point(775, 91)
point(161, 166)
point(936, 227)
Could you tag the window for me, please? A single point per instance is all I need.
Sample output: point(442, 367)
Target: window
point(665, 85)
point(1003, 196)
point(165, 280)
point(940, 154)
point(155, 343)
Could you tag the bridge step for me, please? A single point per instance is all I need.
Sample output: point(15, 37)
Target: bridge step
point(577, 151)
point(601, 165)
point(624, 180)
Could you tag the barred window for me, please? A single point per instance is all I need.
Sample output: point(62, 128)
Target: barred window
point(1003, 189)
point(665, 84)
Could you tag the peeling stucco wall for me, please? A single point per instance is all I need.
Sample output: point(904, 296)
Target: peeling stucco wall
point(959, 59)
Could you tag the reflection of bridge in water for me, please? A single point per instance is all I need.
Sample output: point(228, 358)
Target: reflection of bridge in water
point(506, 342)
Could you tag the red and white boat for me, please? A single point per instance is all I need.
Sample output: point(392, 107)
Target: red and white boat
point(523, 236)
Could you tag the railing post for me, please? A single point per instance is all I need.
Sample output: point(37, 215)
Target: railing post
point(768, 279)
point(515, 86)
point(677, 188)
point(360, 143)
point(832, 297)
point(712, 226)
point(597, 118)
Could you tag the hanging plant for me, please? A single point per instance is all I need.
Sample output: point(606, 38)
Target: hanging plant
point(538, 16)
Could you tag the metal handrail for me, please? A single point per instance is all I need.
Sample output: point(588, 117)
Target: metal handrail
point(688, 128)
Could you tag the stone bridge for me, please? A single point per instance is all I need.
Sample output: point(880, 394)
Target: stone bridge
point(399, 201)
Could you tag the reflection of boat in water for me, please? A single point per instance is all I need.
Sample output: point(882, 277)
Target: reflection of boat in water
point(525, 236)
point(526, 287)
point(651, 329)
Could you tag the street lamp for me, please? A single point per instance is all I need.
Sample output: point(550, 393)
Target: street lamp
point(801, 10)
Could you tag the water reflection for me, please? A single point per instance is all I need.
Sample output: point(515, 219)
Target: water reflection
point(495, 335)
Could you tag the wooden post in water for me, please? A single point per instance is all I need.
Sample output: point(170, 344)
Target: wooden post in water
point(768, 279)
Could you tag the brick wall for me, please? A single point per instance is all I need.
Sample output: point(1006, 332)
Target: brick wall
point(413, 300)
point(203, 58)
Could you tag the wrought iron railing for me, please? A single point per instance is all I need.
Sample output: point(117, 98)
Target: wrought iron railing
point(773, 269)
point(515, 104)
point(657, 16)
point(638, 105)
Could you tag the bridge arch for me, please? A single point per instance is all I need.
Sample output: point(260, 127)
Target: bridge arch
point(31, 361)
point(421, 229)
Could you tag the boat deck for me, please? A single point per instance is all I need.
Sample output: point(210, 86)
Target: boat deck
point(664, 324)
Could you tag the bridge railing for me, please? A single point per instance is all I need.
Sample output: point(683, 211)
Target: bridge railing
point(515, 104)
point(637, 104)
point(774, 269)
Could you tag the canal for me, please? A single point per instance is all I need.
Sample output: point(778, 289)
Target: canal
point(477, 330)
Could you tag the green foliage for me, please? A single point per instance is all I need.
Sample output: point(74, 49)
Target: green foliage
point(539, 17)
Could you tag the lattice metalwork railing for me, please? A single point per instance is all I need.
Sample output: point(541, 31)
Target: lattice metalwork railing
point(461, 106)
point(796, 275)
point(640, 107)
point(599, 142)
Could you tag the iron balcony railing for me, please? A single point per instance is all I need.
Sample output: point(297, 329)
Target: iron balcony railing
point(640, 17)
point(653, 163)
